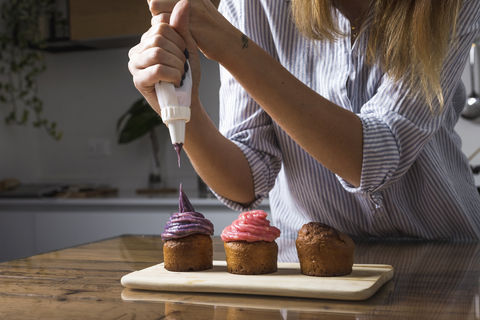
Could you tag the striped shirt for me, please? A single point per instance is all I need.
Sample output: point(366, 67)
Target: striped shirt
point(415, 180)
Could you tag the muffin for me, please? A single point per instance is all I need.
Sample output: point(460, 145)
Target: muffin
point(250, 244)
point(188, 243)
point(324, 251)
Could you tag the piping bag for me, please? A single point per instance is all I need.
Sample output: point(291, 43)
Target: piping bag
point(175, 108)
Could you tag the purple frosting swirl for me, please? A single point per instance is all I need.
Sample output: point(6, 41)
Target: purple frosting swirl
point(186, 221)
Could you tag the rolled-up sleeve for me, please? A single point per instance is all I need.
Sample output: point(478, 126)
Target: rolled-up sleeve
point(397, 124)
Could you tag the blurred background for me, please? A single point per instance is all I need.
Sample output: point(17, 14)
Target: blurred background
point(85, 89)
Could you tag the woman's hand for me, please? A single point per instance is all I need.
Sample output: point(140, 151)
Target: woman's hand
point(160, 57)
point(162, 52)
point(162, 9)
point(211, 31)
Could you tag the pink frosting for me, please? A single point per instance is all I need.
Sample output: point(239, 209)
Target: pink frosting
point(251, 226)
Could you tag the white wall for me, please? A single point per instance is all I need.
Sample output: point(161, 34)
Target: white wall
point(469, 130)
point(86, 92)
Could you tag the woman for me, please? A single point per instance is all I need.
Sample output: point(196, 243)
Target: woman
point(343, 111)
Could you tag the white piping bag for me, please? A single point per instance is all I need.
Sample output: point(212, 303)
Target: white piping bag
point(175, 108)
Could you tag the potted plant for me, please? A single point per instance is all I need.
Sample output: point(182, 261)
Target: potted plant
point(21, 61)
point(139, 120)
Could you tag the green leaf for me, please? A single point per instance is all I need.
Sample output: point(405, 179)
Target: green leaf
point(137, 126)
point(37, 107)
point(10, 117)
point(58, 136)
point(25, 116)
point(138, 107)
point(21, 63)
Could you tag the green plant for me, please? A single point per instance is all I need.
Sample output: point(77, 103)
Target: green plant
point(137, 121)
point(22, 61)
point(140, 119)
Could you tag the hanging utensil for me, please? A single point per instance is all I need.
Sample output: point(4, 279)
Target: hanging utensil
point(472, 107)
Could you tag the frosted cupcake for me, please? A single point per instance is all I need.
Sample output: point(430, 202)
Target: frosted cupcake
point(188, 243)
point(250, 244)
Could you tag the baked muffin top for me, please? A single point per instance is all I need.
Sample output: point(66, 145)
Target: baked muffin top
point(317, 232)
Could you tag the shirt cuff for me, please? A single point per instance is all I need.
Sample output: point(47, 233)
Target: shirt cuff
point(260, 180)
point(380, 157)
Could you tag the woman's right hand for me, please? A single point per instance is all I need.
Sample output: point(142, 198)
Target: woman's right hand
point(162, 52)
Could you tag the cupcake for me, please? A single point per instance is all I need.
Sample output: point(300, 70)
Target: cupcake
point(250, 244)
point(188, 243)
point(324, 251)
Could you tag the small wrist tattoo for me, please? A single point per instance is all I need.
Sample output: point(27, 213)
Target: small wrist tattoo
point(244, 41)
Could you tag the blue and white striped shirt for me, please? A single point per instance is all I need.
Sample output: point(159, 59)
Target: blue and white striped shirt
point(415, 180)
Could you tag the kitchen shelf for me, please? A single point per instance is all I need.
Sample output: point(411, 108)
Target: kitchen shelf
point(92, 44)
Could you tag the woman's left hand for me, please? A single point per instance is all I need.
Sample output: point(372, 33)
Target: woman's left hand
point(211, 31)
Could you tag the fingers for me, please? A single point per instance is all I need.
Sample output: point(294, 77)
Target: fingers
point(158, 57)
point(173, 12)
point(180, 18)
point(144, 79)
point(156, 65)
point(161, 54)
point(161, 18)
point(180, 22)
point(161, 6)
point(164, 36)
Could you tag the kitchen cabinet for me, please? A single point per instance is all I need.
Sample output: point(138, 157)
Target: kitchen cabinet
point(104, 24)
point(33, 226)
point(90, 19)
point(101, 24)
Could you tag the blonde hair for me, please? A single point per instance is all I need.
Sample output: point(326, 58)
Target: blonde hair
point(408, 38)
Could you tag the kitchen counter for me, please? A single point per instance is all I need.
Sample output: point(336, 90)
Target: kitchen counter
point(122, 198)
point(432, 280)
point(31, 226)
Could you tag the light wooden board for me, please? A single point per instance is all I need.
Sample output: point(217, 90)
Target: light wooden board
point(361, 284)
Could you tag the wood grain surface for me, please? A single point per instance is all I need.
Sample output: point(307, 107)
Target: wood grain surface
point(433, 280)
point(288, 281)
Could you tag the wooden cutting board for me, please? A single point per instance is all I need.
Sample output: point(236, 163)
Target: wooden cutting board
point(361, 284)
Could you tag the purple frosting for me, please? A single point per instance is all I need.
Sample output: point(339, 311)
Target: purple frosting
point(184, 204)
point(178, 149)
point(186, 221)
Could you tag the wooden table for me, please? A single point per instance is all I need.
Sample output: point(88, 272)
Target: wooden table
point(433, 280)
